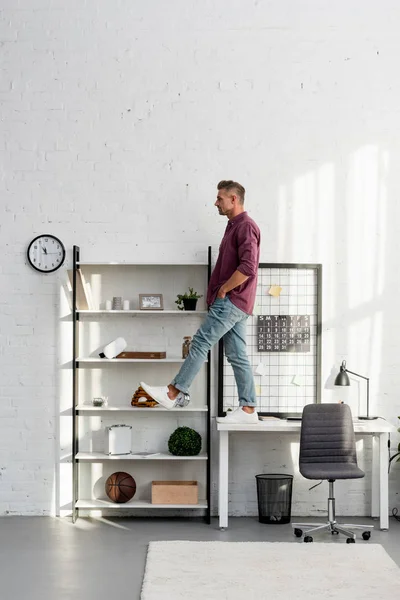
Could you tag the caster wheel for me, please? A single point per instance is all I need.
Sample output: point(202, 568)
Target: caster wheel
point(308, 539)
point(366, 535)
point(298, 532)
point(350, 541)
point(334, 532)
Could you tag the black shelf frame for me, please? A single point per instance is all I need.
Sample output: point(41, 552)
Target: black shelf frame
point(208, 375)
point(75, 420)
point(75, 402)
point(312, 266)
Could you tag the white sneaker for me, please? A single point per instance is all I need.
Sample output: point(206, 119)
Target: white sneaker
point(160, 395)
point(240, 416)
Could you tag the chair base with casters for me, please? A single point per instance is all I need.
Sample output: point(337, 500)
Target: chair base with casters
point(332, 525)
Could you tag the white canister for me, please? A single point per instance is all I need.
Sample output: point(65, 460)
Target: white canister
point(108, 304)
point(126, 305)
point(118, 439)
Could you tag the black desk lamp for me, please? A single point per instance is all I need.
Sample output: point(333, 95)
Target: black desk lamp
point(343, 379)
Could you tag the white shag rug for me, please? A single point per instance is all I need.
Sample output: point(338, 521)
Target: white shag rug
point(274, 571)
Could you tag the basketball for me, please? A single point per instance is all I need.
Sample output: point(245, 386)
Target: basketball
point(120, 487)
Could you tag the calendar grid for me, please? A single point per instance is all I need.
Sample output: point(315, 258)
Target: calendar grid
point(288, 378)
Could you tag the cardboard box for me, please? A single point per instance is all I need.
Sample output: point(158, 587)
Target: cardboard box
point(174, 492)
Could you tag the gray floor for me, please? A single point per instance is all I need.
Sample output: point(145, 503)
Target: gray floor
point(51, 559)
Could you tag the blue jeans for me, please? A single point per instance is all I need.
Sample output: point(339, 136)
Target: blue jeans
point(224, 320)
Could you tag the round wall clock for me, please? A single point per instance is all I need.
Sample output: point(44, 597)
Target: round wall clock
point(46, 253)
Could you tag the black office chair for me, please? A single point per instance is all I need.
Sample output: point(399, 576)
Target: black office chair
point(328, 451)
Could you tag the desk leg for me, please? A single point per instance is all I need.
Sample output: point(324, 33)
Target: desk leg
point(223, 478)
point(384, 480)
point(375, 477)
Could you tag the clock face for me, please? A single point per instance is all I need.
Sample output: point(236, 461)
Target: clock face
point(46, 253)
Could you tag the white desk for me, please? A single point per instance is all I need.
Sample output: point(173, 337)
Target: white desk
point(378, 428)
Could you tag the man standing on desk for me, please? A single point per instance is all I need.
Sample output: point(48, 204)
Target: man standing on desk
point(230, 297)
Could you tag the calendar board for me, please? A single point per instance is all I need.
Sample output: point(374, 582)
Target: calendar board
point(283, 333)
point(287, 372)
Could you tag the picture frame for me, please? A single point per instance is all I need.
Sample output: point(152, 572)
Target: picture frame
point(151, 302)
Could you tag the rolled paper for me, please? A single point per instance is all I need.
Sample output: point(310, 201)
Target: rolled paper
point(114, 348)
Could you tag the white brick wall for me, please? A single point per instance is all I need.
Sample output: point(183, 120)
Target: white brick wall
point(118, 119)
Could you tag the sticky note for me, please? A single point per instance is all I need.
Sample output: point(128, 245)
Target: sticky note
point(297, 380)
point(275, 290)
point(260, 369)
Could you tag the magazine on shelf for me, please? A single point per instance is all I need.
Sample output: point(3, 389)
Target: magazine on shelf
point(145, 454)
point(83, 291)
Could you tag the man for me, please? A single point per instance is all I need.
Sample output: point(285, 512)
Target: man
point(230, 297)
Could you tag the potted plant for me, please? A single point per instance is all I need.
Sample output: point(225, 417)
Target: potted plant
point(184, 441)
point(397, 455)
point(188, 301)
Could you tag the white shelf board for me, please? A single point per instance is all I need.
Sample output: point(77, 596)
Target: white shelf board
point(182, 313)
point(100, 503)
point(131, 409)
point(107, 361)
point(142, 264)
point(100, 456)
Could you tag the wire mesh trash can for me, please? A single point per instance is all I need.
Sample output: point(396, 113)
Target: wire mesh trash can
point(274, 494)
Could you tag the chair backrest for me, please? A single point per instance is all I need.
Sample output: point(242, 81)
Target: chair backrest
point(327, 434)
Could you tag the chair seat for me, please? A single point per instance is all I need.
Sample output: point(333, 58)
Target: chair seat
point(326, 470)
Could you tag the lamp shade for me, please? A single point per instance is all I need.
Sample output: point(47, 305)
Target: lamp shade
point(342, 377)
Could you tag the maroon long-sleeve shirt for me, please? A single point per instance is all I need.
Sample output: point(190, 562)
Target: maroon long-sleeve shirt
point(239, 251)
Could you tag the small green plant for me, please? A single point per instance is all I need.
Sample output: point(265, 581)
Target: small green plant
point(184, 441)
point(192, 295)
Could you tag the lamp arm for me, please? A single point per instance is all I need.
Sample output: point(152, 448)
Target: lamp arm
point(358, 375)
point(367, 380)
